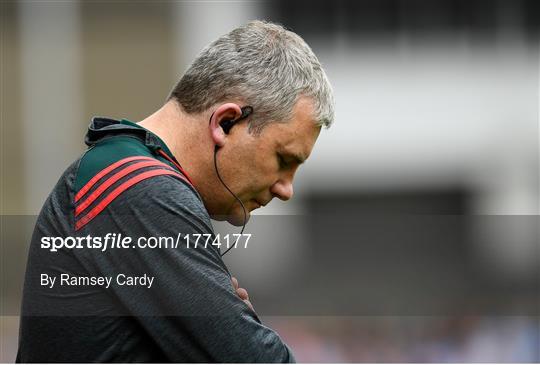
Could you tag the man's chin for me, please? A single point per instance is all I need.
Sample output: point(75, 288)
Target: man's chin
point(238, 219)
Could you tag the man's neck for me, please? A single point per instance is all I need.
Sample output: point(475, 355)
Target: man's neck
point(184, 135)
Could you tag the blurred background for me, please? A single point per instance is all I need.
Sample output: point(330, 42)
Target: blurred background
point(413, 235)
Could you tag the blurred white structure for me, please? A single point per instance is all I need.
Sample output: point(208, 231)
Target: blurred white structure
point(51, 93)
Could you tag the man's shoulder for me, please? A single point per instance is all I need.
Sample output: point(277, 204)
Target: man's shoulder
point(108, 154)
point(151, 205)
point(121, 175)
point(168, 200)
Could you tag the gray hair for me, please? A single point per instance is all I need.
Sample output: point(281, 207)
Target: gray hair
point(262, 64)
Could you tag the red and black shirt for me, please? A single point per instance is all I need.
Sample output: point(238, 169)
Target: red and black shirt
point(128, 184)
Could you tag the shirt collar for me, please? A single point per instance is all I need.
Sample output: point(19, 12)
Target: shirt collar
point(101, 127)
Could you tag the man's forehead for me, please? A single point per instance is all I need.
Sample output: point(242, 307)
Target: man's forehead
point(297, 138)
point(297, 135)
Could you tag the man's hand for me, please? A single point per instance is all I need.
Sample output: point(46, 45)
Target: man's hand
point(242, 293)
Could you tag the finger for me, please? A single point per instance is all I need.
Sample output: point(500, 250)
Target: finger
point(249, 304)
point(235, 283)
point(242, 293)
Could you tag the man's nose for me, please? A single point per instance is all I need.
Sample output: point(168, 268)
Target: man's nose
point(282, 190)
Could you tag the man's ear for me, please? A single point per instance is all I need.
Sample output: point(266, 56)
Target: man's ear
point(228, 111)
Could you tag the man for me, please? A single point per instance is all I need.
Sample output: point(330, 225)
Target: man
point(229, 139)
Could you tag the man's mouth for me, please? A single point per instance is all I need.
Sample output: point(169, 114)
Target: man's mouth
point(258, 204)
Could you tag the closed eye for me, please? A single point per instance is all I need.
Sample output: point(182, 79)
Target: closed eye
point(282, 163)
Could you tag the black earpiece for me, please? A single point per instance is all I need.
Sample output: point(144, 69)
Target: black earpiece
point(226, 125)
